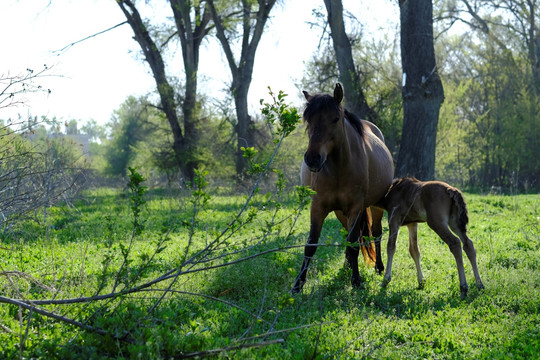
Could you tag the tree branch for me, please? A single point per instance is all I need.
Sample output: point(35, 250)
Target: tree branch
point(69, 46)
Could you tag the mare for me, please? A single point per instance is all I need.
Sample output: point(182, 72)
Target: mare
point(350, 168)
point(410, 201)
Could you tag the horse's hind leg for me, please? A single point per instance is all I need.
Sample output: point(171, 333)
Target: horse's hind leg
point(441, 228)
point(358, 226)
point(469, 249)
point(376, 230)
point(415, 252)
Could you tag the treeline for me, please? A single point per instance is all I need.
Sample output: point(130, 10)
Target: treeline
point(488, 58)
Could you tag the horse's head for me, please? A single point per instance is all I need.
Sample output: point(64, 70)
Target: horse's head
point(324, 118)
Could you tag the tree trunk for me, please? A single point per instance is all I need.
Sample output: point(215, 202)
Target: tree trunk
point(191, 36)
point(349, 76)
point(165, 90)
point(422, 91)
point(242, 70)
point(533, 43)
point(244, 126)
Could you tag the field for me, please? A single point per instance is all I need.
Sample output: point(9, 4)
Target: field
point(170, 274)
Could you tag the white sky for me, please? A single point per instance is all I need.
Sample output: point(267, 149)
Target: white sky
point(97, 75)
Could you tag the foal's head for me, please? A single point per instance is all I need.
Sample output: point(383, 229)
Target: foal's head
point(324, 118)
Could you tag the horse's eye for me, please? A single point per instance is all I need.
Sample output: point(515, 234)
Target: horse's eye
point(335, 120)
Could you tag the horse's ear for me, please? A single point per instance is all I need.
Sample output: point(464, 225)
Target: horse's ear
point(338, 93)
point(307, 96)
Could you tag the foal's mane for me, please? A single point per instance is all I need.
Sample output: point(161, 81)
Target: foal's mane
point(325, 102)
point(408, 185)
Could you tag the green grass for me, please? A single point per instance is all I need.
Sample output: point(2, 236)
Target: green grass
point(76, 250)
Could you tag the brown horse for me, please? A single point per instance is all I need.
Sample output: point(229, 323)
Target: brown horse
point(350, 168)
point(410, 201)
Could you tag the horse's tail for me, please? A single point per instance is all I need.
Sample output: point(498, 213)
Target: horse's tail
point(460, 207)
point(367, 245)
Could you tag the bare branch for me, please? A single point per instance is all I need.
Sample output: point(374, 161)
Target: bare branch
point(230, 348)
point(69, 46)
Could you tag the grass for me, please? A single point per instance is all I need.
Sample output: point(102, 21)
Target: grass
point(84, 249)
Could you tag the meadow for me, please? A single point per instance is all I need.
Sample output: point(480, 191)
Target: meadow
point(201, 273)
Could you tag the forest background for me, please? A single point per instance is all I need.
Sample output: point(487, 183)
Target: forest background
point(487, 54)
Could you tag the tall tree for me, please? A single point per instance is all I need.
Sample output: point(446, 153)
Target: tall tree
point(349, 74)
point(192, 21)
point(252, 19)
point(422, 90)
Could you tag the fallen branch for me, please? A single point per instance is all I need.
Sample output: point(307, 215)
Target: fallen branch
point(229, 348)
point(52, 315)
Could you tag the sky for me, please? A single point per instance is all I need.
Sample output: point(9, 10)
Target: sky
point(91, 79)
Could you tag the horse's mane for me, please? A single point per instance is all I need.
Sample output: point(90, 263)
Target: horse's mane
point(355, 122)
point(404, 180)
point(325, 102)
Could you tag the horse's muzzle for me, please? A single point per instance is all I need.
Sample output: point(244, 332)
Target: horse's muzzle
point(314, 161)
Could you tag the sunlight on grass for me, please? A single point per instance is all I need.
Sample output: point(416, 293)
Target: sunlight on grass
point(77, 252)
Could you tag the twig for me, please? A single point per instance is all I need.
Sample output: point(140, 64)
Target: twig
point(29, 277)
point(6, 329)
point(229, 348)
point(23, 340)
point(50, 314)
point(65, 48)
point(208, 297)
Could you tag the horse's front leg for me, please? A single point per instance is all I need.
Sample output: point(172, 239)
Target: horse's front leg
point(317, 218)
point(394, 222)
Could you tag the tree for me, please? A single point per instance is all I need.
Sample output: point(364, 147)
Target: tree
point(192, 25)
point(129, 126)
point(252, 19)
point(492, 69)
point(422, 91)
point(349, 74)
point(520, 17)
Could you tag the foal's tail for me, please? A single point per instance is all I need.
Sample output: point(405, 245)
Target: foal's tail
point(460, 207)
point(367, 246)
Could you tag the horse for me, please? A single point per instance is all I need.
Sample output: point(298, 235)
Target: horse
point(410, 201)
point(350, 168)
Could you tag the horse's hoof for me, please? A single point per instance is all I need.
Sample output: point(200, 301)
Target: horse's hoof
point(464, 289)
point(357, 283)
point(480, 286)
point(385, 282)
point(421, 284)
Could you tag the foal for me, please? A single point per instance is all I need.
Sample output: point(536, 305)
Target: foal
point(410, 201)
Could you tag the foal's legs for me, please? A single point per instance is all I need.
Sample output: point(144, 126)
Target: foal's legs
point(317, 218)
point(376, 230)
point(441, 228)
point(415, 252)
point(468, 246)
point(394, 223)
